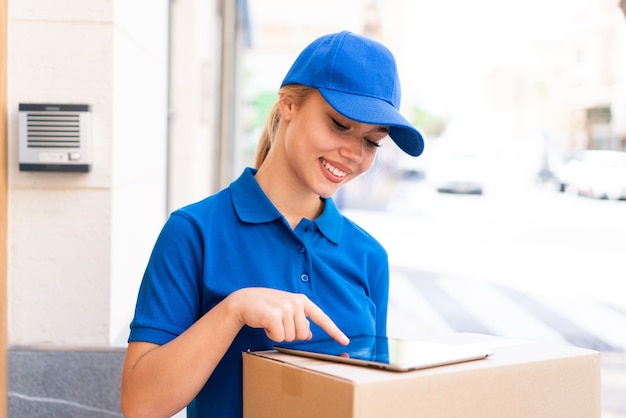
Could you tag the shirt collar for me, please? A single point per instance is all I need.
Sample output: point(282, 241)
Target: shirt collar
point(330, 222)
point(249, 201)
point(253, 206)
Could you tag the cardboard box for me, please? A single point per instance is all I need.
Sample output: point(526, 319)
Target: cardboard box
point(521, 380)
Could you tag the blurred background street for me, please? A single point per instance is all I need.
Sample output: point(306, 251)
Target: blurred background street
point(525, 262)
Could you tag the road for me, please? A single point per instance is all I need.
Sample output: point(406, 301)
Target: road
point(533, 239)
point(527, 263)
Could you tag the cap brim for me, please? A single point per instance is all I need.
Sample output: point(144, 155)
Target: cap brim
point(377, 112)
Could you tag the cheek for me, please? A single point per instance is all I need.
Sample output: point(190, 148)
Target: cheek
point(368, 160)
point(294, 139)
point(300, 134)
point(365, 166)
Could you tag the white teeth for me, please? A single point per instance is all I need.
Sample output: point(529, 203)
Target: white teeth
point(337, 172)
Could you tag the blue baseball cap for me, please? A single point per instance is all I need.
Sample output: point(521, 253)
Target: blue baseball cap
point(358, 77)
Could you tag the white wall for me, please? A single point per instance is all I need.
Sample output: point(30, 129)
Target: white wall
point(78, 242)
point(138, 204)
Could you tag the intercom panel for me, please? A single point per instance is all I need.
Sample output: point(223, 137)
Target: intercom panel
point(55, 137)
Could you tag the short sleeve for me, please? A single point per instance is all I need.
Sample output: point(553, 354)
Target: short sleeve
point(169, 299)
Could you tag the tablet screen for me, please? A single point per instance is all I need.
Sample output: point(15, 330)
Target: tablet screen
point(384, 352)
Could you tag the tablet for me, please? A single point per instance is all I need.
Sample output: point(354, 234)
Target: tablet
point(386, 353)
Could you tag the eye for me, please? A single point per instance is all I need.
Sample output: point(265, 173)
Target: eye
point(339, 126)
point(373, 144)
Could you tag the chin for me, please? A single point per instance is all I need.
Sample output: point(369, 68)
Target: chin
point(329, 192)
point(326, 193)
point(330, 189)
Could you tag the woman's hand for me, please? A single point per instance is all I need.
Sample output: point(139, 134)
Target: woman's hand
point(283, 315)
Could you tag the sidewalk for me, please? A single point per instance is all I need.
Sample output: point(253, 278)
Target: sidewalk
point(613, 385)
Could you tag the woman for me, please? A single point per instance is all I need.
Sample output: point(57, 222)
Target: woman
point(270, 258)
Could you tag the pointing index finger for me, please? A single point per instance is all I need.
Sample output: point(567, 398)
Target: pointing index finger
point(320, 318)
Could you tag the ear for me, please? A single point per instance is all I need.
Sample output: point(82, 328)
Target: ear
point(287, 106)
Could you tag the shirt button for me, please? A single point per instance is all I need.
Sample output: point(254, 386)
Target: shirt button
point(309, 228)
point(304, 277)
point(301, 249)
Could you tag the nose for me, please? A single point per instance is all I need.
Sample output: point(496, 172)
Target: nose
point(352, 150)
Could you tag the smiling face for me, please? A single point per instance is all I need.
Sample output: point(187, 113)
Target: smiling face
point(322, 149)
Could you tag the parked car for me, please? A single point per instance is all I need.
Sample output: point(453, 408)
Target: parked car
point(457, 172)
point(600, 174)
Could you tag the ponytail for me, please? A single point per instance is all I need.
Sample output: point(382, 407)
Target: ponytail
point(267, 136)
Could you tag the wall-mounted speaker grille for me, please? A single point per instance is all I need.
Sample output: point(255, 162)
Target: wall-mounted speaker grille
point(53, 130)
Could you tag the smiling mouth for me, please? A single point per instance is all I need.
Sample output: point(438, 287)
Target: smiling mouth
point(332, 169)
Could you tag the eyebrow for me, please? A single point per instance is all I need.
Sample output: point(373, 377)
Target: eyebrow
point(344, 119)
point(380, 129)
point(384, 129)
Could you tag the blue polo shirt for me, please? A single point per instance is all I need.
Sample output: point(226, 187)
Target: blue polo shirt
point(237, 238)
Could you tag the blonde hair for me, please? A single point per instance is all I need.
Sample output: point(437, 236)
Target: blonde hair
point(298, 94)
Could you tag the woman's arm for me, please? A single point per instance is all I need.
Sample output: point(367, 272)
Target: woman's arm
point(160, 380)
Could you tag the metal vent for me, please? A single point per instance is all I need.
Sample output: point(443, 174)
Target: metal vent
point(52, 130)
point(55, 137)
